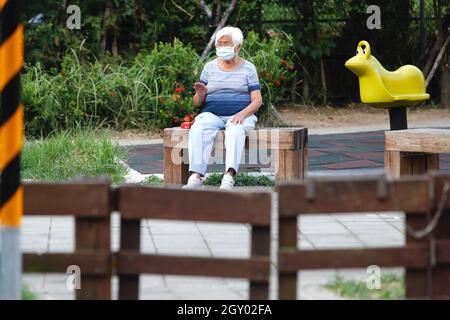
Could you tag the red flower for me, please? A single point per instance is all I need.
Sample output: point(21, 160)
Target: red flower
point(191, 117)
point(179, 89)
point(176, 97)
point(176, 119)
point(277, 83)
point(187, 119)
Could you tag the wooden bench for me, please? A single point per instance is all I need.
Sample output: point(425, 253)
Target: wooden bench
point(288, 146)
point(414, 151)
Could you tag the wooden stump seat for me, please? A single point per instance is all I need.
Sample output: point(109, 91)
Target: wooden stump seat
point(288, 145)
point(414, 151)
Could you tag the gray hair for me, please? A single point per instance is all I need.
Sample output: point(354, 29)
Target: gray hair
point(235, 33)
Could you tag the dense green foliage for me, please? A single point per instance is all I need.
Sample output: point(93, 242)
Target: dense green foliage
point(132, 64)
point(152, 91)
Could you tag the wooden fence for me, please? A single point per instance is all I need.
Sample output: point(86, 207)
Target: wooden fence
point(426, 260)
point(138, 202)
point(91, 204)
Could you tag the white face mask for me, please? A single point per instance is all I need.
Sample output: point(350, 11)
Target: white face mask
point(226, 53)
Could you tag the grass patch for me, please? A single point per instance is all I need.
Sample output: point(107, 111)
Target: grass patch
point(27, 294)
point(214, 179)
point(72, 154)
point(392, 287)
point(153, 180)
point(241, 180)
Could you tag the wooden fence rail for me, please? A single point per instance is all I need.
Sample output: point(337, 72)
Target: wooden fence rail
point(139, 202)
point(411, 195)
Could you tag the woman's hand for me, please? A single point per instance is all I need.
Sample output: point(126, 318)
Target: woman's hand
point(200, 89)
point(237, 118)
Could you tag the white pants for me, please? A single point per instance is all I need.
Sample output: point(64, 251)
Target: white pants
point(204, 131)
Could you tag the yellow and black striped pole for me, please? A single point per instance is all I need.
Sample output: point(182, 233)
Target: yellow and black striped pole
point(11, 126)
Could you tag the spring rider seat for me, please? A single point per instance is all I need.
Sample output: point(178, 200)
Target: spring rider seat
point(381, 88)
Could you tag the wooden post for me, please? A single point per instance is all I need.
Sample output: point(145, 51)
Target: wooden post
point(287, 240)
point(408, 153)
point(175, 173)
point(93, 235)
point(260, 247)
point(414, 151)
point(292, 162)
point(130, 233)
point(399, 163)
point(409, 164)
point(441, 234)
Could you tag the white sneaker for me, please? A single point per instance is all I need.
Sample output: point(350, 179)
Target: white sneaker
point(227, 182)
point(194, 182)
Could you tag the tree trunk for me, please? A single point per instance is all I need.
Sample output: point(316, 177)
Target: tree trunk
point(218, 12)
point(222, 22)
point(323, 80)
point(114, 48)
point(305, 84)
point(445, 82)
point(109, 41)
point(294, 89)
point(106, 13)
point(61, 21)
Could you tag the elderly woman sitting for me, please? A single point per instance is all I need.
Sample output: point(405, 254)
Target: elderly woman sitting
point(230, 91)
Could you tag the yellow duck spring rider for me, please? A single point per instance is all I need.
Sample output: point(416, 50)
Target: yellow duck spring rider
point(381, 88)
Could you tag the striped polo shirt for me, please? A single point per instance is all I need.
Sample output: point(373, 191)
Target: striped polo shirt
point(228, 91)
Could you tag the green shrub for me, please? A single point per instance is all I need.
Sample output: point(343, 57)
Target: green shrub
point(153, 180)
point(241, 179)
point(153, 91)
point(149, 93)
point(171, 69)
point(274, 59)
